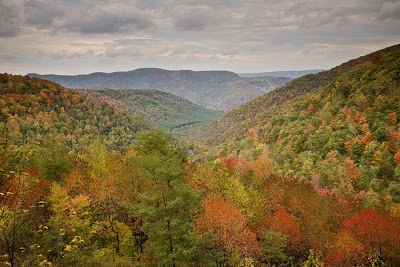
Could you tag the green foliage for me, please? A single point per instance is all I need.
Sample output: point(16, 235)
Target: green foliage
point(33, 109)
point(162, 109)
point(314, 260)
point(350, 111)
point(311, 181)
point(53, 160)
point(168, 207)
point(273, 246)
point(218, 90)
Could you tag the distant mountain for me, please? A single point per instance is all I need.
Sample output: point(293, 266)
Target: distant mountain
point(339, 128)
point(293, 74)
point(162, 109)
point(217, 90)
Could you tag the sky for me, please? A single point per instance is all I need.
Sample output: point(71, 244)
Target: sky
point(84, 36)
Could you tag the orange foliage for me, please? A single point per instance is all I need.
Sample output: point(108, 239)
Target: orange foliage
point(260, 167)
point(75, 99)
point(346, 112)
point(397, 157)
point(345, 251)
point(349, 144)
point(229, 225)
point(352, 173)
point(393, 140)
point(359, 119)
point(102, 188)
point(76, 183)
point(366, 138)
point(393, 117)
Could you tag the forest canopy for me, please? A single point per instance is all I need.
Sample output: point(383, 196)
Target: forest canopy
point(306, 175)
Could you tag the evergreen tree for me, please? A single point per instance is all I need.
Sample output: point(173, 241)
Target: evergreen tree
point(168, 205)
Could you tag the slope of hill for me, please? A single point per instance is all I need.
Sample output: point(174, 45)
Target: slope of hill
point(162, 109)
point(153, 204)
point(338, 127)
point(293, 74)
point(34, 110)
point(218, 90)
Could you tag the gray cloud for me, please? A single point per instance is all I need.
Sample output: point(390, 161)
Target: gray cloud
point(390, 10)
point(42, 13)
point(195, 18)
point(256, 35)
point(123, 51)
point(9, 13)
point(86, 16)
point(107, 18)
point(308, 14)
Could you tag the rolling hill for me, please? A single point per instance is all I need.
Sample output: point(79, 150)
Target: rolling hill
point(34, 110)
point(306, 175)
point(217, 90)
point(338, 128)
point(293, 74)
point(162, 109)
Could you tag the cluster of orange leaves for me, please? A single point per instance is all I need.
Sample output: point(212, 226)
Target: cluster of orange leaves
point(229, 226)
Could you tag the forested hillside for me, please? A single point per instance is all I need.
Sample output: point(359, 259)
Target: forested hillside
point(307, 175)
point(162, 109)
point(217, 90)
point(35, 110)
point(338, 128)
point(293, 74)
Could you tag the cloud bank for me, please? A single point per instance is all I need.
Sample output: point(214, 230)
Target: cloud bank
point(60, 36)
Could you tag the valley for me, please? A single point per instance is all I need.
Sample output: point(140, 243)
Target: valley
point(162, 109)
point(307, 174)
point(216, 90)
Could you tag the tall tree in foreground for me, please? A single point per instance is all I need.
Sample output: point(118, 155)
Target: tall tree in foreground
point(168, 204)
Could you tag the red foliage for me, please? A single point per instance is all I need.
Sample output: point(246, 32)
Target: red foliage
point(376, 231)
point(17, 194)
point(231, 163)
point(286, 224)
point(33, 171)
point(229, 225)
point(34, 193)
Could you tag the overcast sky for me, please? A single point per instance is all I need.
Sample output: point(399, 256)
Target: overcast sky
point(84, 36)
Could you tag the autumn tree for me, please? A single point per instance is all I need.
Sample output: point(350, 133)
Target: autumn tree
point(232, 234)
point(378, 232)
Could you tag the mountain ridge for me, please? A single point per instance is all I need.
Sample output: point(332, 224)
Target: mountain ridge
point(338, 128)
point(297, 87)
point(217, 90)
point(293, 74)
